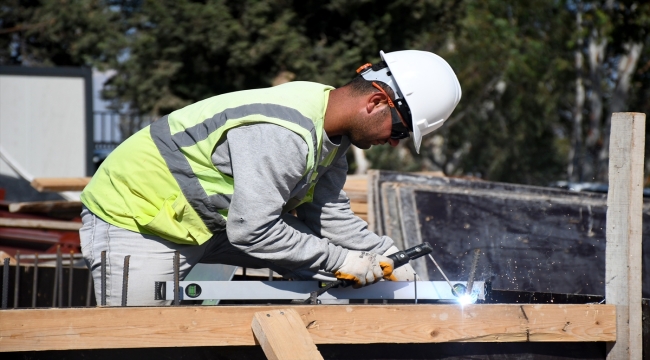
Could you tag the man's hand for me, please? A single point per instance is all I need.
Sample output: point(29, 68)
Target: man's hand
point(402, 273)
point(364, 268)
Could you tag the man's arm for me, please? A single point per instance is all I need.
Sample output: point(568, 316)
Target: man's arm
point(330, 216)
point(267, 162)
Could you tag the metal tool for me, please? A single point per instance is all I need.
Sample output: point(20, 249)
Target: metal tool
point(399, 258)
point(292, 290)
point(453, 289)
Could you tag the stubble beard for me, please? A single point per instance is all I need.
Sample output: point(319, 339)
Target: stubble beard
point(358, 133)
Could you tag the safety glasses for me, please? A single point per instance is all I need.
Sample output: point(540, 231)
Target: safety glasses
point(399, 116)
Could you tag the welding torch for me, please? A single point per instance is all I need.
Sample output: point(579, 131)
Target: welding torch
point(399, 258)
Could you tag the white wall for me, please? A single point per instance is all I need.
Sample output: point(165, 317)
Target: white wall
point(42, 125)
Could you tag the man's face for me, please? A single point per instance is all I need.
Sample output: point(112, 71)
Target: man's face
point(372, 128)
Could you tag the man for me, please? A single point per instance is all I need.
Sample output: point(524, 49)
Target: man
point(217, 180)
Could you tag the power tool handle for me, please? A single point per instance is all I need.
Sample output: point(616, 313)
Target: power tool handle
point(402, 257)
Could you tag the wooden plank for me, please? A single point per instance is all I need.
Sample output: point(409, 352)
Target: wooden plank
point(359, 208)
point(60, 184)
point(624, 227)
point(40, 224)
point(132, 327)
point(45, 207)
point(283, 336)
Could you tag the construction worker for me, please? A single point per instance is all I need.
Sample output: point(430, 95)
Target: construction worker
point(218, 180)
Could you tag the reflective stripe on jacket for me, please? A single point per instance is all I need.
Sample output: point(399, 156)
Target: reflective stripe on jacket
point(162, 181)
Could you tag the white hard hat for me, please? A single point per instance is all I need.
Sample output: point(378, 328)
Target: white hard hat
point(427, 84)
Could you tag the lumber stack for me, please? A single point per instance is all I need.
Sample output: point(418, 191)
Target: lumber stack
point(356, 187)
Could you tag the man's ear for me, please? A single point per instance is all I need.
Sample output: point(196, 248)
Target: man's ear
point(376, 102)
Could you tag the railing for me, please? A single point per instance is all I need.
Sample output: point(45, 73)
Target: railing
point(111, 128)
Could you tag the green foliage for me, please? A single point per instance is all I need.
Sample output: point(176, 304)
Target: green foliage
point(184, 51)
point(58, 33)
point(516, 61)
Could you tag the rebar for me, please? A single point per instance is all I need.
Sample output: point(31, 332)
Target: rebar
point(35, 281)
point(472, 271)
point(125, 279)
point(176, 278)
point(415, 286)
point(89, 286)
point(5, 283)
point(17, 279)
point(70, 269)
point(59, 266)
point(56, 276)
point(103, 295)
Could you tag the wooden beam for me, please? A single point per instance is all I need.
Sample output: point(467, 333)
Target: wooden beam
point(133, 327)
point(40, 224)
point(283, 335)
point(60, 184)
point(44, 207)
point(623, 262)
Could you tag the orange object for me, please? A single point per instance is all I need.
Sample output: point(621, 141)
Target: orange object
point(363, 67)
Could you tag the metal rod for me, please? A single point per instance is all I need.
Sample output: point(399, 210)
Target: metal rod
point(56, 276)
point(443, 275)
point(89, 286)
point(5, 283)
point(17, 279)
point(35, 282)
point(59, 266)
point(415, 286)
point(243, 271)
point(103, 295)
point(125, 279)
point(46, 256)
point(472, 271)
point(270, 275)
point(176, 278)
point(70, 269)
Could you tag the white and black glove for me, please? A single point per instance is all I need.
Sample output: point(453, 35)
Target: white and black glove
point(402, 273)
point(364, 268)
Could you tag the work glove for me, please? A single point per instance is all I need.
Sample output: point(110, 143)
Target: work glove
point(402, 273)
point(364, 268)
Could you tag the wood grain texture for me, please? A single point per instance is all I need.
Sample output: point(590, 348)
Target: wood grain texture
point(283, 336)
point(60, 184)
point(40, 224)
point(623, 274)
point(132, 327)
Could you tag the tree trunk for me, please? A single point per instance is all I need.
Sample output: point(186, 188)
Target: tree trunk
point(627, 64)
point(593, 141)
point(574, 170)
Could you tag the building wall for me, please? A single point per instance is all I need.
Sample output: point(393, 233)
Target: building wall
point(43, 125)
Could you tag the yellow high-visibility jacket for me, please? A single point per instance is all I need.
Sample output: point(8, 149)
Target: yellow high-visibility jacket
point(161, 181)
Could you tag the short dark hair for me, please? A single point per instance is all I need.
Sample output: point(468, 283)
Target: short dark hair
point(360, 86)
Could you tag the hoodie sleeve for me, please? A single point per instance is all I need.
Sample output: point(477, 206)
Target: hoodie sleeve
point(267, 163)
point(330, 216)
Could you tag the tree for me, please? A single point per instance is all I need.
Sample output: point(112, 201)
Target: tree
point(58, 33)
